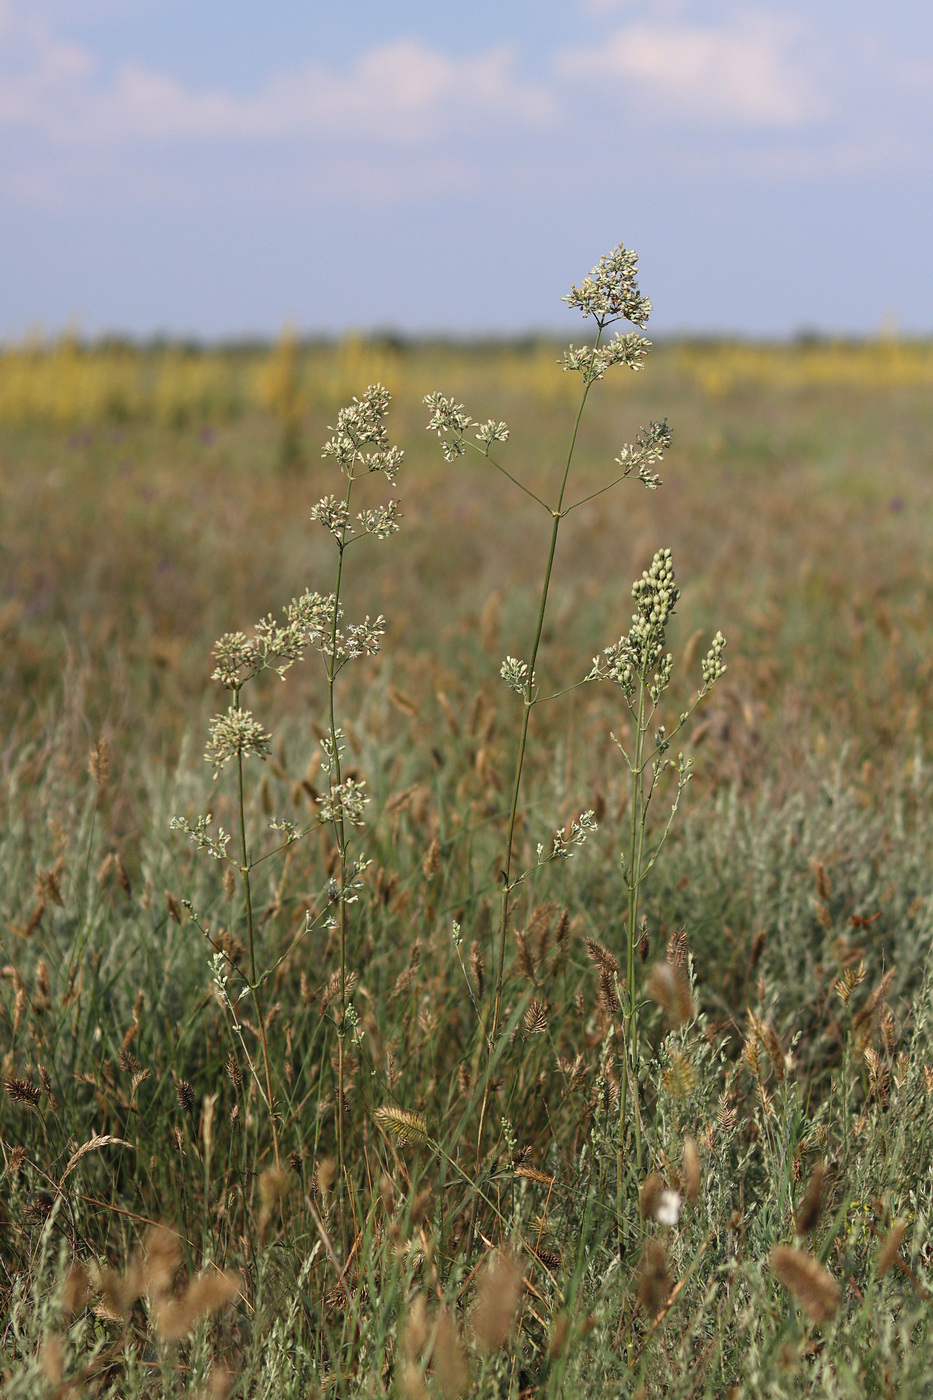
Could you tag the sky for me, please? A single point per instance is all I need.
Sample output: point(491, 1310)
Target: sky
point(220, 168)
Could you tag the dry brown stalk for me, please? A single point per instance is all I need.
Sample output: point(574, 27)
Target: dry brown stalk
point(813, 1287)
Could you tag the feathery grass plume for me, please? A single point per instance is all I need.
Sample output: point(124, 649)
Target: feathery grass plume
point(690, 1173)
point(23, 1091)
point(432, 859)
point(890, 1247)
point(669, 986)
point(533, 1174)
point(498, 1300)
point(162, 1259)
point(406, 1127)
point(607, 996)
point(535, 1019)
point(680, 1078)
point(808, 1214)
point(524, 956)
point(93, 1144)
point(560, 1332)
point(847, 983)
point(812, 1286)
point(185, 1095)
point(41, 1000)
point(653, 1278)
point(175, 1319)
point(649, 1194)
point(478, 968)
point(449, 1359)
point(98, 762)
point(823, 887)
point(602, 956)
point(123, 879)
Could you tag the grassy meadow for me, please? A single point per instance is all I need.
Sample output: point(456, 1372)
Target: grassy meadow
point(263, 1138)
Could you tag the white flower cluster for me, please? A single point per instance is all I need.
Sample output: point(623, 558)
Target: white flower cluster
point(649, 447)
point(563, 843)
point(451, 422)
point(215, 846)
point(611, 290)
point(381, 521)
point(334, 515)
point(344, 802)
point(361, 425)
point(593, 361)
point(515, 674)
point(233, 734)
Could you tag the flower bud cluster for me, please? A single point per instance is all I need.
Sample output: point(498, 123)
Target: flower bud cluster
point(451, 422)
point(633, 658)
point(234, 734)
point(344, 802)
point(215, 846)
point(515, 674)
point(611, 290)
point(563, 843)
point(713, 664)
point(359, 425)
point(649, 447)
point(592, 362)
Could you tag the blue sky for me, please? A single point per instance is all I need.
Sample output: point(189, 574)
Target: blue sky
point(220, 167)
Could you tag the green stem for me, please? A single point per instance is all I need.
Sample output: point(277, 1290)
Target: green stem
point(251, 944)
point(557, 515)
point(340, 836)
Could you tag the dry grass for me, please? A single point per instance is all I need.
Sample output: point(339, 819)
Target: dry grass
point(788, 1068)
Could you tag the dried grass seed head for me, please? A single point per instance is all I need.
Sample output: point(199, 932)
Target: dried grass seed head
point(813, 1287)
point(498, 1300)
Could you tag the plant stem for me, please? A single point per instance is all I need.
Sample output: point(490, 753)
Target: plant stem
point(557, 514)
point(251, 944)
point(340, 835)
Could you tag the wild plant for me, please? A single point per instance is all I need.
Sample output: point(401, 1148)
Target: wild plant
point(638, 663)
point(313, 621)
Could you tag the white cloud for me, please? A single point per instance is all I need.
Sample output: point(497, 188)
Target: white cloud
point(401, 93)
point(753, 72)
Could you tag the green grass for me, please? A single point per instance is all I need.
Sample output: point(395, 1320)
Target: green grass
point(802, 849)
